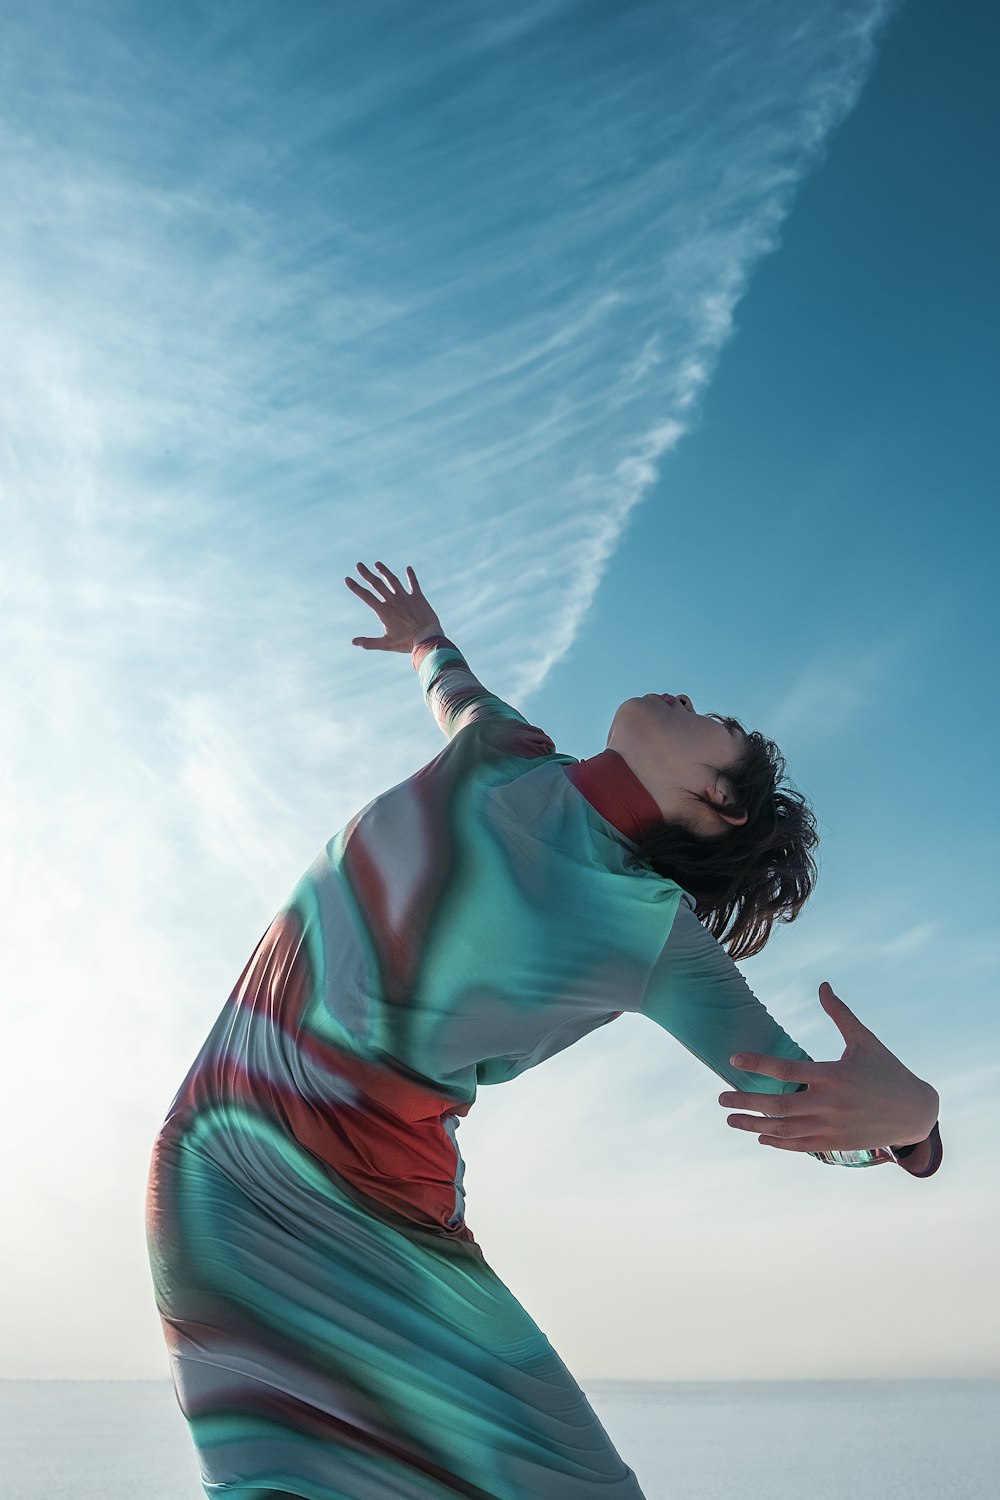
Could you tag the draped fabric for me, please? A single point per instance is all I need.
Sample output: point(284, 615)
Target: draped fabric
point(333, 1328)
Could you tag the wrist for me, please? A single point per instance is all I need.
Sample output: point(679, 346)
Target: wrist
point(425, 633)
point(931, 1114)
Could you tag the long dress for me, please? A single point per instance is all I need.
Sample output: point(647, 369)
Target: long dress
point(333, 1329)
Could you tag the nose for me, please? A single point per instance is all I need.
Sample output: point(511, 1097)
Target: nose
point(683, 698)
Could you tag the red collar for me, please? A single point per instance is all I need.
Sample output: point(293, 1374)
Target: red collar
point(612, 787)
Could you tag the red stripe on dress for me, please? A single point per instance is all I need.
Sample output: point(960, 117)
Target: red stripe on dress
point(371, 1123)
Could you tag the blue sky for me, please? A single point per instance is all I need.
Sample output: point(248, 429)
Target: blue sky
point(661, 341)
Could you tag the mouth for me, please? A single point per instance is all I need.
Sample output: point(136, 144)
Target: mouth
point(668, 697)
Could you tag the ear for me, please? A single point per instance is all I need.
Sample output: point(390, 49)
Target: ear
point(719, 796)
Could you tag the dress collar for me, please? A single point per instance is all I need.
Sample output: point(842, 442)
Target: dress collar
point(612, 787)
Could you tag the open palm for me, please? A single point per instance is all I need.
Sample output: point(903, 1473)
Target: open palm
point(866, 1098)
point(404, 615)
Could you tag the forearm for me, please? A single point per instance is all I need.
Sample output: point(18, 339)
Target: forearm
point(453, 693)
point(696, 992)
point(451, 690)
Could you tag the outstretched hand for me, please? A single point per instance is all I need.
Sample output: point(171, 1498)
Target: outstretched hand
point(404, 615)
point(868, 1098)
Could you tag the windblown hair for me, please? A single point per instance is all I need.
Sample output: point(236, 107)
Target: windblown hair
point(754, 874)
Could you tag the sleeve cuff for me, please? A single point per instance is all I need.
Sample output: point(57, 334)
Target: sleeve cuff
point(922, 1160)
point(919, 1163)
point(430, 640)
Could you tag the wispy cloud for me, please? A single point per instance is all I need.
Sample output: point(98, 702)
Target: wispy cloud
point(280, 299)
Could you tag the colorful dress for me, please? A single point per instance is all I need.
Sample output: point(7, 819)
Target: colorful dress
point(333, 1328)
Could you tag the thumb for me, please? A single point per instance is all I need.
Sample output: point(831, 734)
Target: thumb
point(846, 1022)
point(369, 642)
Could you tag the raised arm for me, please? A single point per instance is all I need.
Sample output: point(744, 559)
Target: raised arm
point(697, 993)
point(454, 696)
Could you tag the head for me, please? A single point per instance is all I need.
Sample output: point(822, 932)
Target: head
point(734, 832)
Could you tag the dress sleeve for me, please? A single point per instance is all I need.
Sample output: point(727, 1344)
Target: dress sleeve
point(924, 1158)
point(454, 696)
point(697, 993)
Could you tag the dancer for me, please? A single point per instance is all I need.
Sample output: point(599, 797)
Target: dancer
point(334, 1330)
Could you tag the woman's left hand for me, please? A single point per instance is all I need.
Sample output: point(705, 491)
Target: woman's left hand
point(866, 1099)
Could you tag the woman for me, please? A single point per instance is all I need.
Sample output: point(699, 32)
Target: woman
point(334, 1330)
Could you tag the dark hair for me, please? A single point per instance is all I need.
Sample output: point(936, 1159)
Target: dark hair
point(754, 874)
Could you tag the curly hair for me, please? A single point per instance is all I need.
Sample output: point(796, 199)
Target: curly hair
point(754, 874)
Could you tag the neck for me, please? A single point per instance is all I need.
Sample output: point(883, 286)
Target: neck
point(615, 791)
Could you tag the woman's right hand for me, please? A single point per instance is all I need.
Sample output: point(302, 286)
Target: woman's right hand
point(405, 616)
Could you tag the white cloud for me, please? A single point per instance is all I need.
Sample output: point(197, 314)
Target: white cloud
point(910, 941)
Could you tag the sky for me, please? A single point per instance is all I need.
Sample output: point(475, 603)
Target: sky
point(661, 341)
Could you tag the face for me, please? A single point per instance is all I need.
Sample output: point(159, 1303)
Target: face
point(675, 752)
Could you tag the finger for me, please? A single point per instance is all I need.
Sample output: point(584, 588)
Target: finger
point(841, 1015)
point(785, 1068)
point(391, 577)
point(370, 643)
point(375, 582)
point(356, 588)
point(413, 580)
point(813, 1143)
point(770, 1104)
point(784, 1130)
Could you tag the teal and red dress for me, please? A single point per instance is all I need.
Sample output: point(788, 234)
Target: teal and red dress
point(334, 1331)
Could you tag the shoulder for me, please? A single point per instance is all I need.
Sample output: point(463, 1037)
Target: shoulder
point(689, 940)
point(512, 736)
